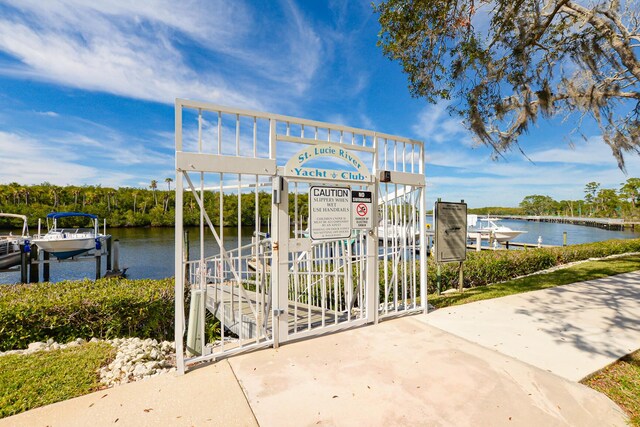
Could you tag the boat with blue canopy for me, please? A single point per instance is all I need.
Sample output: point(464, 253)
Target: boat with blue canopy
point(67, 242)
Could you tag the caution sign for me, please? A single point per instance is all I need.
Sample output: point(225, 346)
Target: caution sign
point(361, 210)
point(329, 213)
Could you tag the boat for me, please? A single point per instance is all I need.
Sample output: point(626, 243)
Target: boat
point(10, 243)
point(397, 233)
point(489, 229)
point(65, 243)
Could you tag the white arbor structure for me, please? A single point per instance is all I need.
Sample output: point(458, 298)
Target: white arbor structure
point(298, 228)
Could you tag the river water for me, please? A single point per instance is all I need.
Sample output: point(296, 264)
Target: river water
point(149, 252)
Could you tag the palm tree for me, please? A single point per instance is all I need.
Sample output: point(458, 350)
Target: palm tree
point(76, 192)
point(110, 194)
point(154, 186)
point(54, 193)
point(168, 181)
point(165, 203)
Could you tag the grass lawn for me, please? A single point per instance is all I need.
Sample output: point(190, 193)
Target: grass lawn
point(621, 383)
point(29, 381)
point(585, 271)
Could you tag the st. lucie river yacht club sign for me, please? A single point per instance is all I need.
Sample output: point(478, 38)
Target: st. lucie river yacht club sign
point(294, 167)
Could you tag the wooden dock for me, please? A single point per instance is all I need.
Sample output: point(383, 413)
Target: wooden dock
point(606, 223)
point(530, 245)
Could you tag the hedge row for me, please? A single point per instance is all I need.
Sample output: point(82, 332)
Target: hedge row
point(483, 268)
point(145, 308)
point(106, 308)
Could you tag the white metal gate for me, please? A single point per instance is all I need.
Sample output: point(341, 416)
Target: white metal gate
point(249, 270)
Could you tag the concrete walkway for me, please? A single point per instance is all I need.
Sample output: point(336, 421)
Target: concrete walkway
point(572, 330)
point(210, 396)
point(401, 372)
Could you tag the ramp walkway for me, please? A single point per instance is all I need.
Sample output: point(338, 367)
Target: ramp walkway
point(226, 301)
point(572, 330)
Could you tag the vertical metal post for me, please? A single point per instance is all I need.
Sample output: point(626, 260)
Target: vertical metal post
point(461, 277)
point(34, 273)
point(372, 286)
point(280, 262)
point(185, 254)
point(422, 211)
point(179, 266)
point(438, 279)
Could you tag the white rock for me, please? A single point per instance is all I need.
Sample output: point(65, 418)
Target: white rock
point(35, 346)
point(140, 370)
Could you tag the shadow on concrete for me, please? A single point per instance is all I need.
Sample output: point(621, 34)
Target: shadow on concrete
point(597, 316)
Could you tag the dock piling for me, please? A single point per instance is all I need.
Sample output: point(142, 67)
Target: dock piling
point(45, 267)
point(24, 257)
point(34, 271)
point(116, 255)
point(564, 238)
point(109, 248)
point(98, 264)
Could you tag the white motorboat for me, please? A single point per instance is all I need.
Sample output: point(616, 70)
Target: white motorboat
point(10, 243)
point(398, 232)
point(68, 242)
point(488, 228)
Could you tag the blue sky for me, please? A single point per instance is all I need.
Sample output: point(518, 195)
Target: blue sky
point(87, 92)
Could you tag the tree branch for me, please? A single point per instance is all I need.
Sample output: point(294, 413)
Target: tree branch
point(627, 56)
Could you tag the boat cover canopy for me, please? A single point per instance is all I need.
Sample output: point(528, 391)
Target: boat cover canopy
point(56, 215)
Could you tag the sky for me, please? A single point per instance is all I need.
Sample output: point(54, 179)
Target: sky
point(87, 93)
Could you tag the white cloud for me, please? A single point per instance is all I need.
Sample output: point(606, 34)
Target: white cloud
point(47, 113)
point(121, 64)
point(592, 152)
point(136, 49)
point(434, 124)
point(558, 171)
point(64, 157)
point(32, 162)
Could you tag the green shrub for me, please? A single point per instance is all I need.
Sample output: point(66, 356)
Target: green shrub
point(483, 268)
point(106, 308)
point(145, 308)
